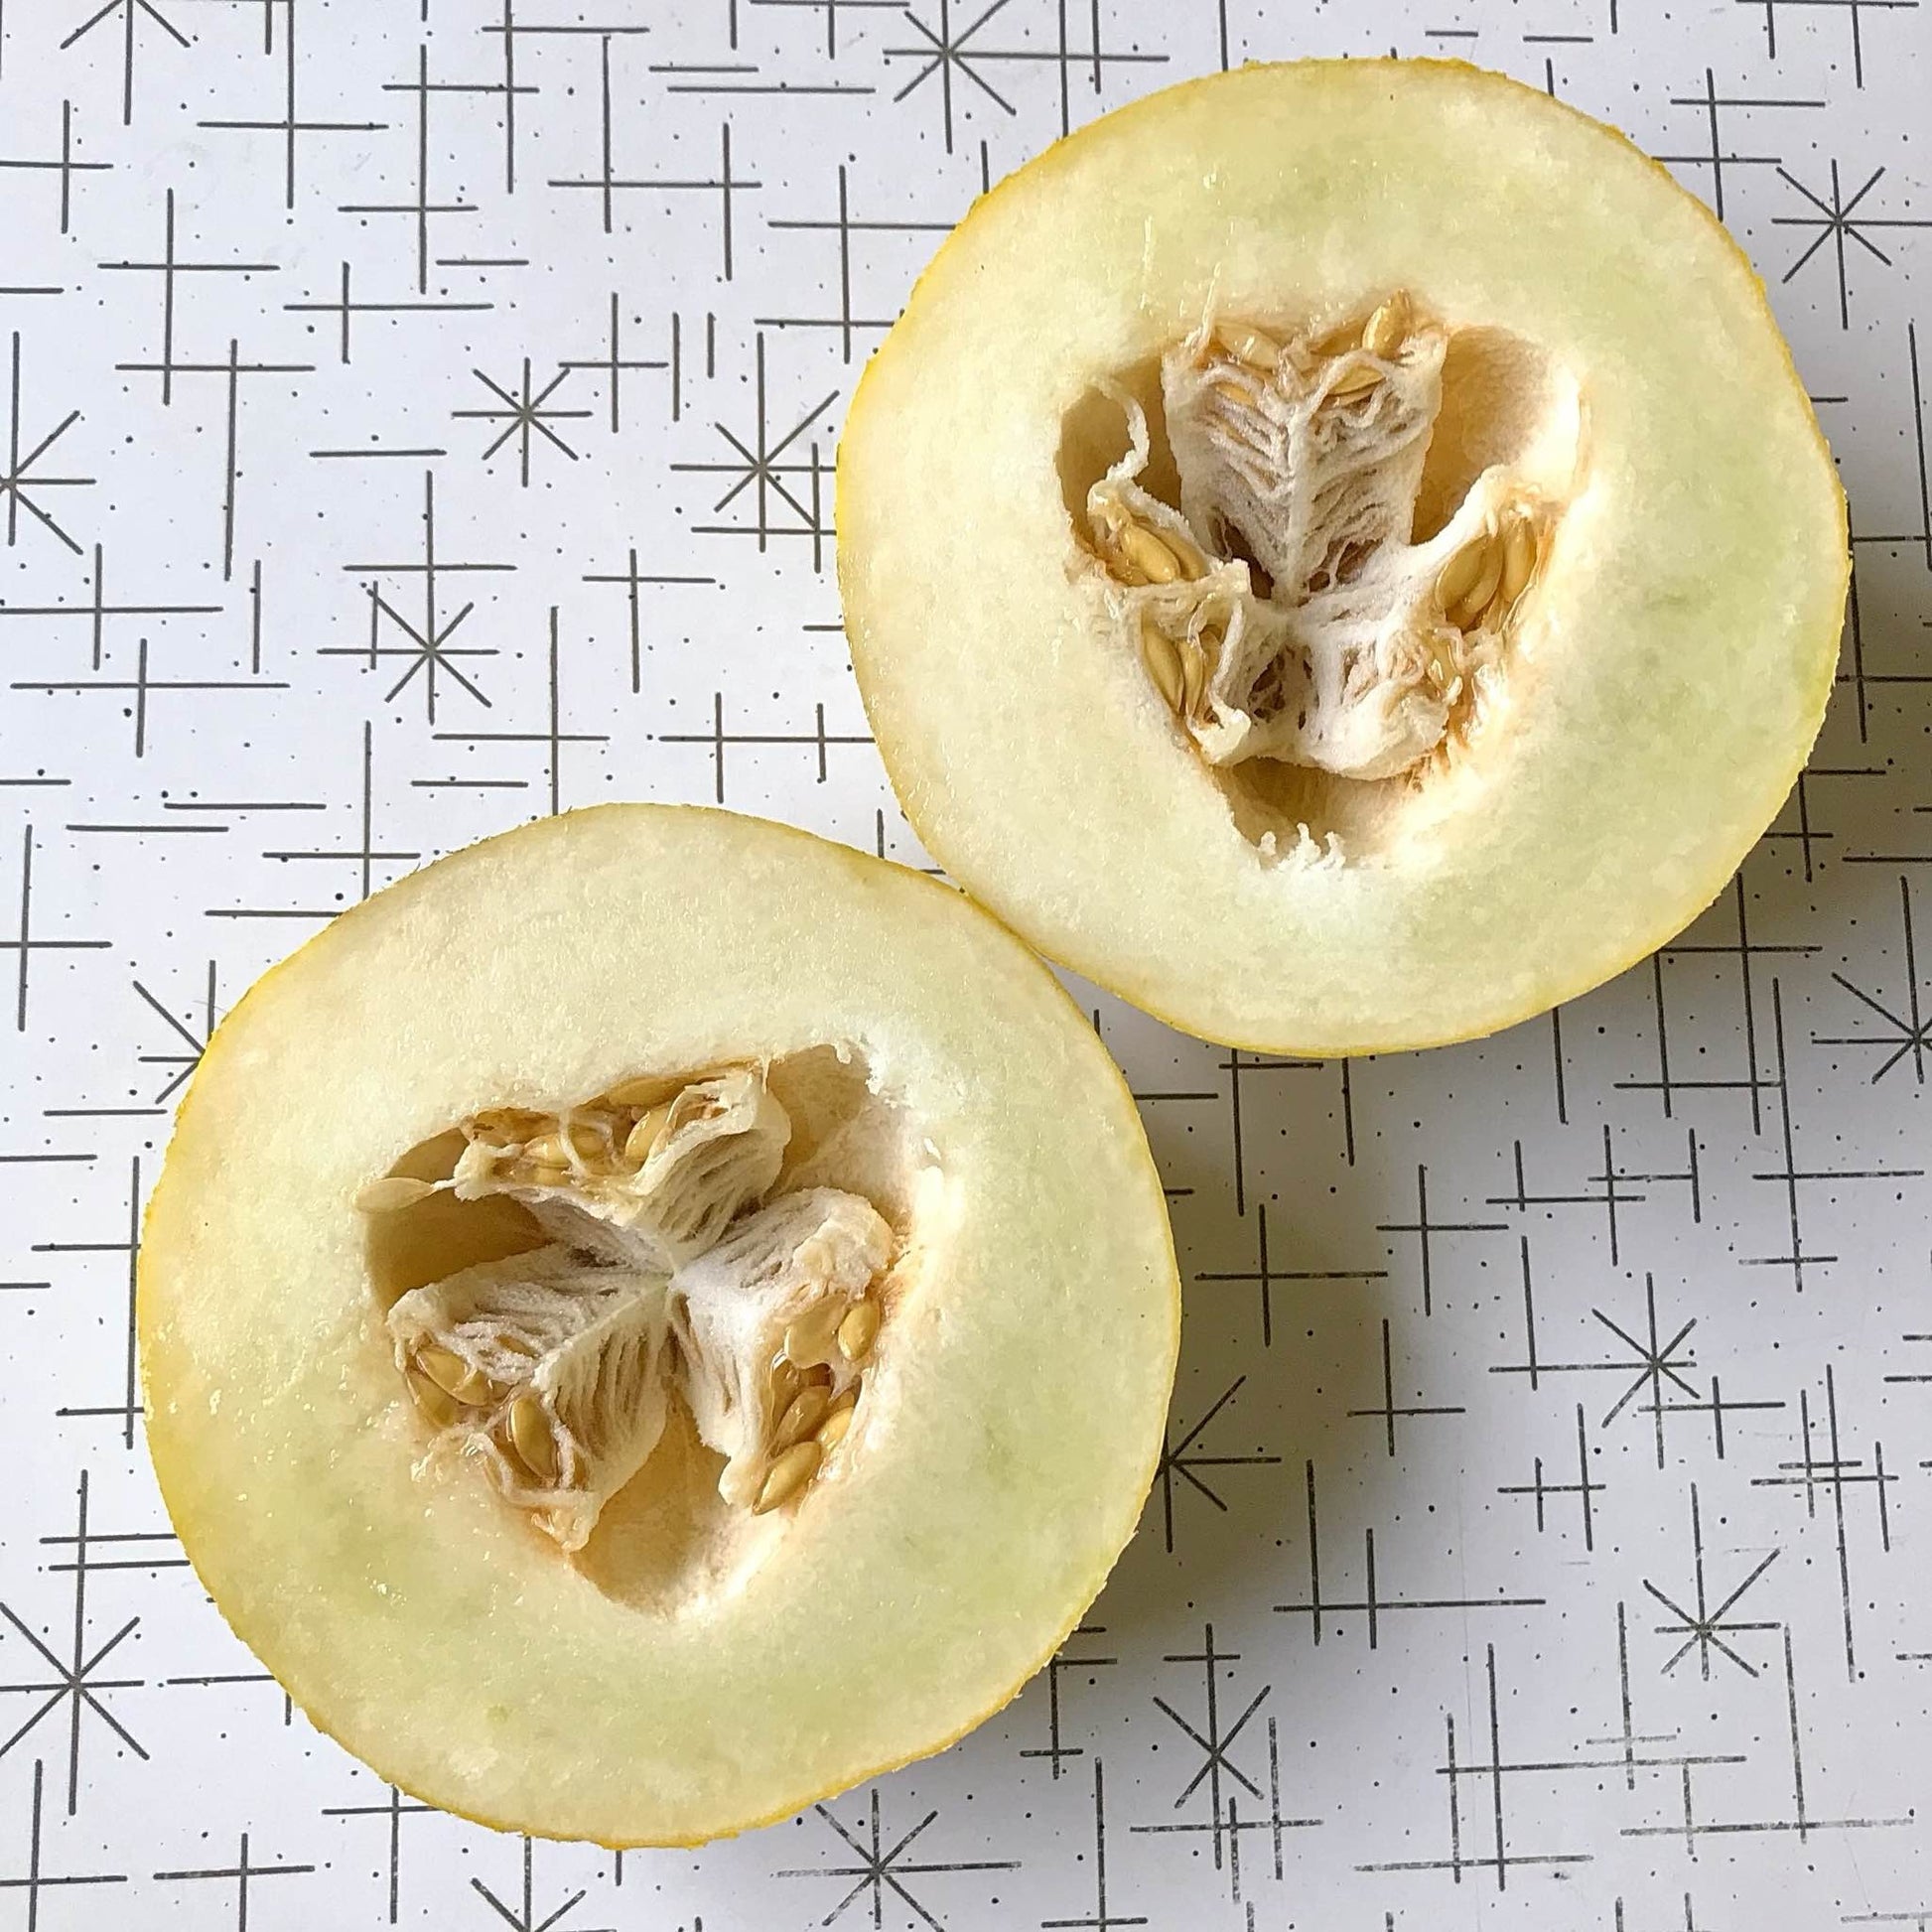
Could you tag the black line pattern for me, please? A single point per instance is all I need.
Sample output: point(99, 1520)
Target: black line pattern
point(75, 1692)
point(21, 486)
point(1219, 1778)
point(881, 1869)
point(418, 418)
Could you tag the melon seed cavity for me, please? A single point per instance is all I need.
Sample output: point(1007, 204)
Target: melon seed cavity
point(675, 1269)
point(1282, 609)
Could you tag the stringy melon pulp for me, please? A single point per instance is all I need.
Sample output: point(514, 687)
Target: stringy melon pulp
point(506, 1228)
point(648, 1317)
point(1321, 540)
point(1338, 554)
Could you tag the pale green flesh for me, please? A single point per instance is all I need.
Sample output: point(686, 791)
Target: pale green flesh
point(1661, 705)
point(419, 1620)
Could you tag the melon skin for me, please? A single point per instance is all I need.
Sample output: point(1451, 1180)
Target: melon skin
point(418, 1621)
point(1660, 713)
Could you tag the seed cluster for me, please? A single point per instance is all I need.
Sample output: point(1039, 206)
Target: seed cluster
point(1480, 585)
point(522, 1364)
point(1282, 611)
point(443, 1386)
point(812, 1418)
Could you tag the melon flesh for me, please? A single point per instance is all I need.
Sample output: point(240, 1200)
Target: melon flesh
point(644, 1659)
point(1367, 829)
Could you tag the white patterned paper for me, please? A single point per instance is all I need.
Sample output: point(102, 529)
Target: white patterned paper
point(421, 417)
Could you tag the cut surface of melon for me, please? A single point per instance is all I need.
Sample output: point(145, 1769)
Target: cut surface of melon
point(1338, 554)
point(653, 1319)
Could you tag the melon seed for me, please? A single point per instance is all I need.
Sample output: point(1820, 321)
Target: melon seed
point(785, 1383)
point(391, 1192)
point(1357, 381)
point(808, 1340)
point(1470, 609)
point(1147, 554)
point(1388, 327)
point(789, 1474)
point(454, 1376)
point(1519, 558)
point(1250, 346)
point(1458, 578)
point(1192, 564)
point(802, 1417)
point(832, 1430)
point(431, 1400)
point(531, 1438)
point(1193, 676)
point(644, 1135)
point(1162, 662)
point(647, 1090)
point(859, 1330)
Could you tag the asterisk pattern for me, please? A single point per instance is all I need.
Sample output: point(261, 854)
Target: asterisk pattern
point(789, 491)
point(522, 1917)
point(423, 645)
point(944, 53)
point(76, 1685)
point(881, 1869)
point(525, 414)
point(427, 650)
point(1214, 1738)
point(1907, 1033)
point(1656, 1362)
point(1182, 1461)
point(1708, 1629)
point(187, 1056)
point(1837, 222)
point(18, 486)
point(134, 16)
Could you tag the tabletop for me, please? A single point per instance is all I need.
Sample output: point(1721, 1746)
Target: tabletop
point(421, 417)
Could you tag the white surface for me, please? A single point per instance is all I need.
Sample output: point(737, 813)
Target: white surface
point(1772, 1775)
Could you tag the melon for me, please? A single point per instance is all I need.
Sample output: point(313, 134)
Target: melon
point(1338, 554)
point(653, 1318)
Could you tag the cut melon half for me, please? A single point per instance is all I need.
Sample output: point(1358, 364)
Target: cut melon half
point(1338, 554)
point(653, 1319)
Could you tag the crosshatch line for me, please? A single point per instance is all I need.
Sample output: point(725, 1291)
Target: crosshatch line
point(1264, 1275)
point(1372, 1605)
point(1691, 1827)
point(65, 166)
point(24, 944)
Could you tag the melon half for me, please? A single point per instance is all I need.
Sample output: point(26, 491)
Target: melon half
point(1338, 554)
point(653, 1319)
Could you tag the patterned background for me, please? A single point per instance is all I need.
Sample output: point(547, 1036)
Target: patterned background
point(420, 416)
